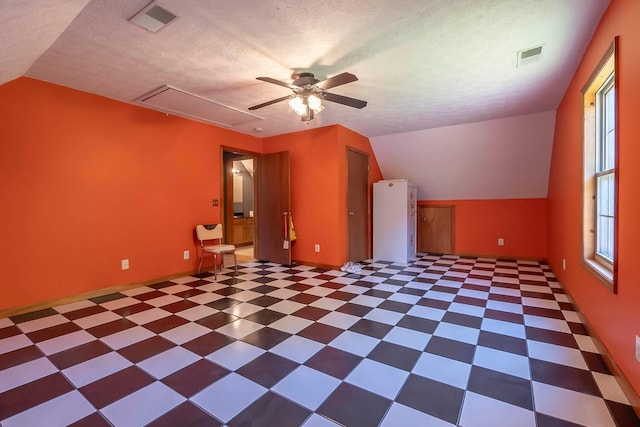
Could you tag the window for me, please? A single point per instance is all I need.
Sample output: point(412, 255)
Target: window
point(600, 171)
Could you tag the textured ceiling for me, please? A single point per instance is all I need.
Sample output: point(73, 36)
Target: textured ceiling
point(421, 63)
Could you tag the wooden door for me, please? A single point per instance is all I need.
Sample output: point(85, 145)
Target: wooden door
point(272, 202)
point(435, 229)
point(357, 205)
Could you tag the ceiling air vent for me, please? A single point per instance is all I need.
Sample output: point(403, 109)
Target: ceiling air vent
point(153, 17)
point(169, 99)
point(529, 56)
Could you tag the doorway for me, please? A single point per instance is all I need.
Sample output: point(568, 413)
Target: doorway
point(265, 197)
point(357, 205)
point(239, 201)
point(436, 227)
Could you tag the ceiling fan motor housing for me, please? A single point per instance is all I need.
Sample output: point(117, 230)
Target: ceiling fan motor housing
point(305, 79)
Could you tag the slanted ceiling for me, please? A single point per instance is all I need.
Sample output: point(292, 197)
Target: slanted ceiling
point(28, 30)
point(506, 158)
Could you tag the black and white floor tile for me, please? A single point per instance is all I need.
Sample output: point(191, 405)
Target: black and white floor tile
point(443, 341)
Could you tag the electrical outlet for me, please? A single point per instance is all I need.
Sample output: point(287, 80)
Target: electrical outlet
point(317, 247)
point(638, 348)
point(564, 264)
point(500, 241)
point(124, 264)
point(215, 202)
point(185, 255)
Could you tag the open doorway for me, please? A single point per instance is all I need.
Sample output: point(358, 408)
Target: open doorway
point(258, 229)
point(239, 202)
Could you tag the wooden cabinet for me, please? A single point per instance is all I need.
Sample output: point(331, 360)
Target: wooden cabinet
point(249, 230)
point(242, 231)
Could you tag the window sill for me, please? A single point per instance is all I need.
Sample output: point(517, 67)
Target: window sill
point(602, 273)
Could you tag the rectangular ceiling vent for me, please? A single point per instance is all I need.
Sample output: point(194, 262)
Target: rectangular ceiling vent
point(180, 103)
point(529, 56)
point(153, 17)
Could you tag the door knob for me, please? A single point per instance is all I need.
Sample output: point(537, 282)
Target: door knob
point(351, 213)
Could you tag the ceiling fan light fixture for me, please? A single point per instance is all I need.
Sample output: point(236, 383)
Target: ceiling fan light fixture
point(297, 105)
point(302, 104)
point(314, 103)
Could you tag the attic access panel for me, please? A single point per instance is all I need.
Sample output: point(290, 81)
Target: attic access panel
point(175, 101)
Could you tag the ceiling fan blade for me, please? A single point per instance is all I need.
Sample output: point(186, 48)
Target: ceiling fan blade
point(338, 80)
point(273, 101)
point(277, 82)
point(345, 100)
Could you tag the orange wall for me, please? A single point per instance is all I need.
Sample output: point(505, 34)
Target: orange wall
point(616, 318)
point(522, 223)
point(318, 167)
point(86, 181)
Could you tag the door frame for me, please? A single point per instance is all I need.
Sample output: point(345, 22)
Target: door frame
point(369, 207)
point(226, 196)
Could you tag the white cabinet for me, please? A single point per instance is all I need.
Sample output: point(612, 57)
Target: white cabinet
point(394, 220)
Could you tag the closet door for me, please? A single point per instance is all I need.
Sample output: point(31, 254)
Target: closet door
point(357, 205)
point(435, 229)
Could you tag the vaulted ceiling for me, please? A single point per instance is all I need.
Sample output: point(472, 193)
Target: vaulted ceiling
point(421, 64)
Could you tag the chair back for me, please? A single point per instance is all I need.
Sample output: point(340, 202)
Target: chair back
point(209, 232)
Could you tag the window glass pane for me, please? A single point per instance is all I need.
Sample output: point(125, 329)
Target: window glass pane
point(602, 235)
point(601, 200)
point(609, 151)
point(605, 194)
point(605, 237)
point(609, 182)
point(609, 128)
point(605, 214)
point(605, 127)
point(610, 109)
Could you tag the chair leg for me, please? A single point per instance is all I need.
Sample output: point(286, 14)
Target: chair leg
point(235, 263)
point(215, 266)
point(200, 264)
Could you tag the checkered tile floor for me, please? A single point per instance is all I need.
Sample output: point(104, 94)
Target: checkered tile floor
point(443, 341)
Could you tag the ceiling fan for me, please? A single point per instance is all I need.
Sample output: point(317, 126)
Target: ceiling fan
point(308, 93)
